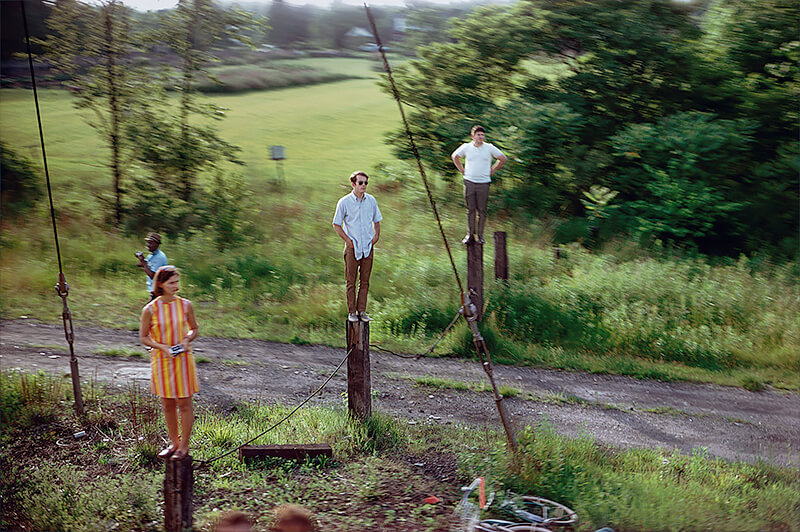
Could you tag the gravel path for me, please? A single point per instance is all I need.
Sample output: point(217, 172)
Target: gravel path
point(730, 423)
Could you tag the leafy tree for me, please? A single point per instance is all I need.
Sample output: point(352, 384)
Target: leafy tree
point(571, 88)
point(170, 146)
point(289, 24)
point(678, 175)
point(94, 46)
point(227, 202)
point(12, 31)
point(753, 57)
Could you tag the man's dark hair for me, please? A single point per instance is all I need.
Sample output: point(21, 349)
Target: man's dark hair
point(475, 129)
point(355, 175)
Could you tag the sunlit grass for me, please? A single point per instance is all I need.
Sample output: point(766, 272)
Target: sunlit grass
point(615, 310)
point(380, 469)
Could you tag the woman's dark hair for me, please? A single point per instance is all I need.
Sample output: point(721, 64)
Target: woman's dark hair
point(162, 276)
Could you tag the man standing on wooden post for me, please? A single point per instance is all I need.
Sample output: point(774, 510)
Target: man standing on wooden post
point(477, 171)
point(357, 221)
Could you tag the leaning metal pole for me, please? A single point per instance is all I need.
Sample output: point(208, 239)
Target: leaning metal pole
point(62, 288)
point(468, 308)
point(471, 315)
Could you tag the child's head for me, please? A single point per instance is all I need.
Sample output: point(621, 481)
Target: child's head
point(292, 518)
point(233, 522)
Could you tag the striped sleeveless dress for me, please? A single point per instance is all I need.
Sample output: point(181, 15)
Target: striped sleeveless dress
point(172, 377)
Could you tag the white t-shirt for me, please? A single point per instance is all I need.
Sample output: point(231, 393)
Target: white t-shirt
point(478, 165)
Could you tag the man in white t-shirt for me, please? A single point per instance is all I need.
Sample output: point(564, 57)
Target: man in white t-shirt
point(477, 171)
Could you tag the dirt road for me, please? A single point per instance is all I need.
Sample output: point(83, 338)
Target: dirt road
point(730, 423)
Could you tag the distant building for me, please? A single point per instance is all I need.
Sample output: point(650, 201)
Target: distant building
point(359, 37)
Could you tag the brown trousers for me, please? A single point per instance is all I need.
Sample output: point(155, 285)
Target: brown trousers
point(361, 269)
point(476, 196)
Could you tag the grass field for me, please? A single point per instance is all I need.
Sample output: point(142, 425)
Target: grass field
point(378, 478)
point(616, 310)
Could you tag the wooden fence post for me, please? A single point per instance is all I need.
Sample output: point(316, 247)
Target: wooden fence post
point(178, 495)
point(500, 256)
point(475, 274)
point(359, 400)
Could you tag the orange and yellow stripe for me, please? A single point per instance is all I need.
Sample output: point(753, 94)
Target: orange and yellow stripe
point(172, 377)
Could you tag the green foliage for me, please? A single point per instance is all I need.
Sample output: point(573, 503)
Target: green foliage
point(597, 201)
point(63, 497)
point(251, 78)
point(625, 489)
point(677, 176)
point(227, 202)
point(29, 400)
point(643, 489)
point(20, 182)
point(629, 109)
point(94, 47)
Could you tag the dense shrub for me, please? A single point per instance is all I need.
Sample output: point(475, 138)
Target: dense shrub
point(249, 78)
point(20, 184)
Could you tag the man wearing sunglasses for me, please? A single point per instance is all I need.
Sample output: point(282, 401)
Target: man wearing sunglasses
point(357, 221)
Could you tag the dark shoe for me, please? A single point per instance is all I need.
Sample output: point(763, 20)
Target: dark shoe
point(353, 316)
point(179, 455)
point(166, 453)
point(364, 316)
point(481, 240)
point(466, 239)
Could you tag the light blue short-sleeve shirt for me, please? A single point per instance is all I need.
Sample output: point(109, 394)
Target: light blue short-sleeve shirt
point(356, 218)
point(154, 262)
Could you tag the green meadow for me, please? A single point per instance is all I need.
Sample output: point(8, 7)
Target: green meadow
point(618, 309)
point(114, 477)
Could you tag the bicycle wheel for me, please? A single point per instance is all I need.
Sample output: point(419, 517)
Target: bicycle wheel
point(493, 525)
point(527, 528)
point(551, 512)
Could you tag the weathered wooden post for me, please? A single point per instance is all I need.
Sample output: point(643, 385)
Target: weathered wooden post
point(500, 256)
point(475, 275)
point(359, 401)
point(178, 495)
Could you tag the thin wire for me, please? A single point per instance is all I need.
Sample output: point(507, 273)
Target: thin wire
point(379, 348)
point(41, 134)
point(430, 349)
point(287, 416)
point(413, 144)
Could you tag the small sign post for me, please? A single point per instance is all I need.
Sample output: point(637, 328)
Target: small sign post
point(278, 154)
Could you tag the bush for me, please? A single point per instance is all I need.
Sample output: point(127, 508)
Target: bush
point(249, 78)
point(20, 182)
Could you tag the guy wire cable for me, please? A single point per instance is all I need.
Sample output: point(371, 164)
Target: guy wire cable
point(413, 144)
point(203, 463)
point(480, 344)
point(62, 288)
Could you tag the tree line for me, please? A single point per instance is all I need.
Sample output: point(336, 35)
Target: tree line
point(675, 123)
point(149, 117)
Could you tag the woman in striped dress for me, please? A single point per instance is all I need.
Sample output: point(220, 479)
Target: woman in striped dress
point(168, 324)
